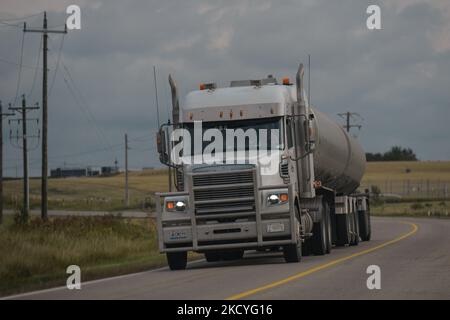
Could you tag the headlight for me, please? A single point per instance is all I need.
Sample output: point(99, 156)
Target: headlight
point(277, 198)
point(180, 206)
point(176, 205)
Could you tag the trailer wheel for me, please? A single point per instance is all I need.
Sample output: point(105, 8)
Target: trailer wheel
point(326, 211)
point(342, 230)
point(177, 260)
point(364, 225)
point(355, 223)
point(212, 256)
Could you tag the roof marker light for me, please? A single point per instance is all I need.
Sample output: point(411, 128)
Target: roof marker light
point(286, 81)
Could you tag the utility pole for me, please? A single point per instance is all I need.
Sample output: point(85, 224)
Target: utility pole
point(44, 184)
point(26, 189)
point(127, 201)
point(2, 115)
point(348, 116)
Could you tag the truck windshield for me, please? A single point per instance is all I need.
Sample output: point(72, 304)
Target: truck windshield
point(266, 128)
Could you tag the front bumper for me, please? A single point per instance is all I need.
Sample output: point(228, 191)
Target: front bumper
point(270, 226)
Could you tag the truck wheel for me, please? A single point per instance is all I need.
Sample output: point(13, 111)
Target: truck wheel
point(232, 255)
point(306, 248)
point(177, 260)
point(342, 230)
point(364, 225)
point(326, 211)
point(292, 252)
point(319, 238)
point(355, 224)
point(212, 256)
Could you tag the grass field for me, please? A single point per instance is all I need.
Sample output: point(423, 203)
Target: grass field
point(92, 193)
point(397, 170)
point(422, 208)
point(426, 179)
point(36, 255)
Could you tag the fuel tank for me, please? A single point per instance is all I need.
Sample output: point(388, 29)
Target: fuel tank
point(339, 160)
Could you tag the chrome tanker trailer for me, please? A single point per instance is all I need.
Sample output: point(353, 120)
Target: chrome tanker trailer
point(255, 167)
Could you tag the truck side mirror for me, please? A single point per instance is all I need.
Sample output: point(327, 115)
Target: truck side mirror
point(161, 144)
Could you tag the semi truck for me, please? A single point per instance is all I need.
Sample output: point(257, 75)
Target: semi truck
point(309, 204)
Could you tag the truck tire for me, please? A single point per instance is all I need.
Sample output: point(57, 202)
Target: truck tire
point(212, 256)
point(177, 260)
point(319, 238)
point(327, 215)
point(306, 248)
point(342, 230)
point(364, 225)
point(293, 252)
point(355, 224)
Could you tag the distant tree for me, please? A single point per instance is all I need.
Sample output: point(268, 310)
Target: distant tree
point(374, 156)
point(396, 153)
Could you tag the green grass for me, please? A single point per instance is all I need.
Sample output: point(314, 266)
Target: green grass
point(91, 193)
point(36, 255)
point(410, 179)
point(417, 208)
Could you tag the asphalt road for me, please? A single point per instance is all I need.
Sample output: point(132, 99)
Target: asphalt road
point(413, 255)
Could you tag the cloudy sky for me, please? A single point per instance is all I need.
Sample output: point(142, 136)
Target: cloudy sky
point(397, 78)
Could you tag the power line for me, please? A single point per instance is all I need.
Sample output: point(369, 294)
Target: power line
point(86, 111)
point(348, 116)
point(26, 190)
point(10, 24)
point(75, 90)
point(36, 69)
point(57, 65)
point(17, 64)
point(20, 69)
point(2, 115)
point(44, 175)
point(21, 18)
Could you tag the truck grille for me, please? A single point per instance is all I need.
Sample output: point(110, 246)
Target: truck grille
point(180, 180)
point(224, 193)
point(284, 169)
point(222, 178)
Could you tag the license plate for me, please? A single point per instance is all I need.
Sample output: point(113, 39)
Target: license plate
point(177, 235)
point(275, 227)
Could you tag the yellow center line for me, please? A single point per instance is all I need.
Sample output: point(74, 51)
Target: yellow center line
point(323, 266)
